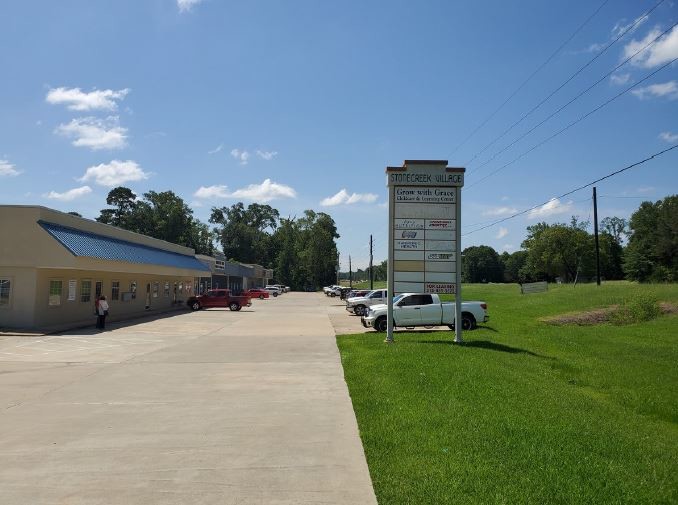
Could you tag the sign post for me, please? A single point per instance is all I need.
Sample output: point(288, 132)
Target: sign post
point(424, 232)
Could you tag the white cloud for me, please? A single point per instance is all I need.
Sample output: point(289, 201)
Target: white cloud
point(241, 156)
point(499, 211)
point(267, 155)
point(620, 79)
point(551, 208)
point(669, 137)
point(75, 99)
point(502, 233)
point(645, 189)
point(187, 5)
point(343, 197)
point(265, 192)
point(114, 173)
point(216, 149)
point(8, 169)
point(662, 51)
point(664, 89)
point(69, 195)
point(95, 133)
point(620, 27)
point(211, 192)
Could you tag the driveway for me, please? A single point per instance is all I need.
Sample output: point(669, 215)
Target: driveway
point(210, 407)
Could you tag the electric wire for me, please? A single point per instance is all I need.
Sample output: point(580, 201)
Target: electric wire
point(611, 174)
point(569, 79)
point(529, 78)
point(570, 125)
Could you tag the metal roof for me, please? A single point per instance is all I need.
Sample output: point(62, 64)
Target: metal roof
point(82, 243)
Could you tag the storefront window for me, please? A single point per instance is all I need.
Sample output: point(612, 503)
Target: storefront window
point(115, 290)
point(133, 289)
point(85, 290)
point(167, 291)
point(156, 289)
point(55, 288)
point(5, 285)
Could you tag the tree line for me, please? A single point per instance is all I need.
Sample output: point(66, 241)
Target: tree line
point(643, 248)
point(302, 251)
point(567, 251)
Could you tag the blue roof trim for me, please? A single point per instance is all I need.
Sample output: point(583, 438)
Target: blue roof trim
point(82, 243)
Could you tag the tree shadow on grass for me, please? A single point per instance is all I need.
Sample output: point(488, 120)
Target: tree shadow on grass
point(486, 344)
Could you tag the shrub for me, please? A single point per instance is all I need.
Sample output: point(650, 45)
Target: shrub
point(640, 308)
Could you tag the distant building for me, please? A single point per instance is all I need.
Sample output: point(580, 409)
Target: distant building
point(53, 265)
point(235, 276)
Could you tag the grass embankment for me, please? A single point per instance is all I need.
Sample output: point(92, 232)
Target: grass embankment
point(524, 412)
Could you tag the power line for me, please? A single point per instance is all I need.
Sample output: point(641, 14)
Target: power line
point(538, 69)
point(581, 69)
point(580, 119)
point(611, 174)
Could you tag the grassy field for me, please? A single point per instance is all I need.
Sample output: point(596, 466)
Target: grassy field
point(523, 412)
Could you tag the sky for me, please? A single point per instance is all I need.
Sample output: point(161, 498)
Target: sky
point(302, 104)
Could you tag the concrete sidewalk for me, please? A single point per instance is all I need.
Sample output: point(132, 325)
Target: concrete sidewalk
point(211, 407)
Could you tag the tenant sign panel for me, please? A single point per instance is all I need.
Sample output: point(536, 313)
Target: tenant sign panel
point(424, 211)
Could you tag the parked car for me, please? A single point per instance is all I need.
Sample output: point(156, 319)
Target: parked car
point(358, 305)
point(334, 290)
point(343, 292)
point(424, 309)
point(219, 298)
point(260, 293)
point(357, 292)
point(274, 291)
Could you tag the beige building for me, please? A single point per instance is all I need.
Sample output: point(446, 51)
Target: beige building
point(53, 265)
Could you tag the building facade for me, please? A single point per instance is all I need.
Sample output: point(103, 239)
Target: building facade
point(234, 276)
point(53, 265)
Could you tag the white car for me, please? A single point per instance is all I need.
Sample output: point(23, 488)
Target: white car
point(425, 309)
point(273, 290)
point(333, 290)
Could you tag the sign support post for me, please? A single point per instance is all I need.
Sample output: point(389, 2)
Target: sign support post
point(457, 305)
point(424, 233)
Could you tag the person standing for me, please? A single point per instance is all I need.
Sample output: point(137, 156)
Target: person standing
point(102, 308)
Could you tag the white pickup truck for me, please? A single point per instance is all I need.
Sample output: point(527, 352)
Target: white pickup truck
point(424, 309)
point(359, 304)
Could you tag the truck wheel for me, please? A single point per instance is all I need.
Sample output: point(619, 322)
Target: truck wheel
point(359, 310)
point(261, 297)
point(234, 306)
point(275, 294)
point(380, 324)
point(195, 306)
point(468, 322)
point(333, 295)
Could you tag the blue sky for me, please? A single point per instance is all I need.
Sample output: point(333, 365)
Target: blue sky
point(302, 104)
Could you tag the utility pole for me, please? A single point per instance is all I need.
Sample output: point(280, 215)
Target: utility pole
point(595, 231)
point(350, 273)
point(371, 267)
point(338, 268)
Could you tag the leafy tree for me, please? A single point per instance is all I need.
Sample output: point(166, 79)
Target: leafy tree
point(652, 252)
point(481, 264)
point(514, 265)
point(617, 227)
point(161, 215)
point(243, 231)
point(559, 250)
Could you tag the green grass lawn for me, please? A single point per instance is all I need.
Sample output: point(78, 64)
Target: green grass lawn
point(523, 412)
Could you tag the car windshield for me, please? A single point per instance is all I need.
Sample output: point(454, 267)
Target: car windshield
point(396, 299)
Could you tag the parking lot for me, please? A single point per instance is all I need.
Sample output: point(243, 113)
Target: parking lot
point(195, 407)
